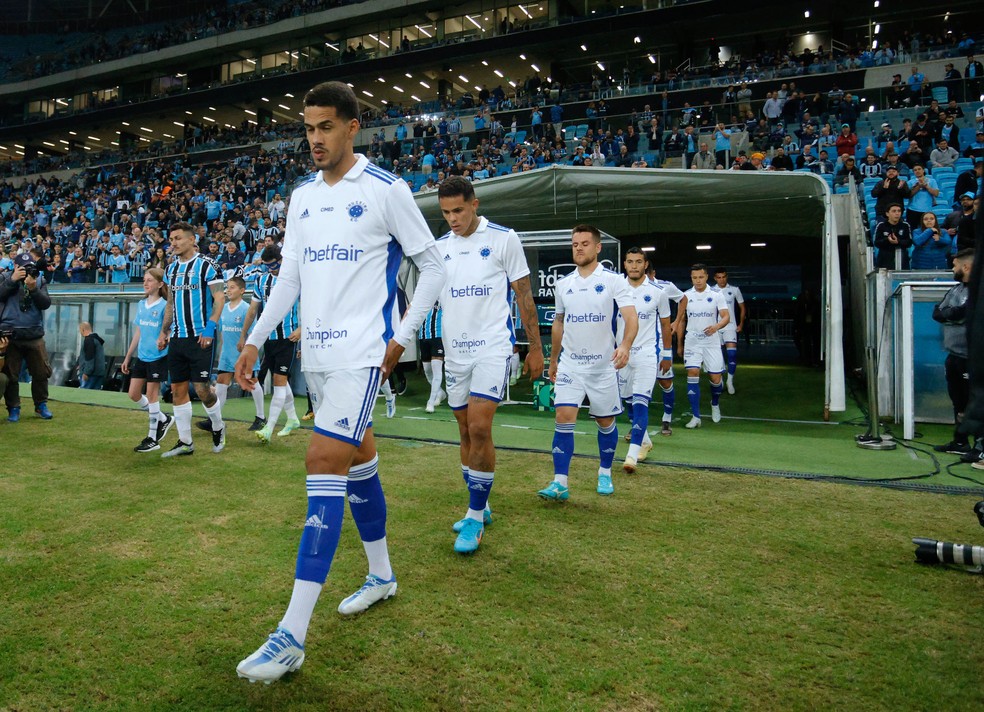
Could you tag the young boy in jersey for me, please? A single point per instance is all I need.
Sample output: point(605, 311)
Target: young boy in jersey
point(703, 313)
point(651, 354)
point(729, 334)
point(230, 328)
point(584, 357)
point(150, 366)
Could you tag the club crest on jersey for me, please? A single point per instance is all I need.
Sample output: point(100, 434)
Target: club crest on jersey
point(599, 288)
point(710, 299)
point(485, 252)
point(356, 210)
point(647, 298)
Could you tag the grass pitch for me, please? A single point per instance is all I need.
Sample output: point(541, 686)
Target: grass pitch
point(129, 582)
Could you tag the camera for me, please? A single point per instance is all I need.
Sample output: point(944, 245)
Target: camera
point(930, 551)
point(32, 270)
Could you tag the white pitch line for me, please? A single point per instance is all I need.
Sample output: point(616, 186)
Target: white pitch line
point(516, 427)
point(774, 420)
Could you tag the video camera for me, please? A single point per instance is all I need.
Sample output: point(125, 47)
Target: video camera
point(930, 551)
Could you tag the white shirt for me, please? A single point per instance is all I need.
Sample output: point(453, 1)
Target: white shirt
point(732, 295)
point(672, 291)
point(703, 310)
point(477, 319)
point(652, 304)
point(588, 306)
point(345, 244)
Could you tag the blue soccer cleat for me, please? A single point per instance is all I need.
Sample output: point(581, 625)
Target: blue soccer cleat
point(486, 520)
point(279, 655)
point(554, 491)
point(605, 485)
point(470, 537)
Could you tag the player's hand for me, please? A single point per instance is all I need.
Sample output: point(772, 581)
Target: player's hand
point(552, 371)
point(125, 367)
point(393, 353)
point(710, 330)
point(241, 344)
point(204, 341)
point(533, 365)
point(162, 342)
point(295, 335)
point(244, 367)
point(739, 328)
point(621, 356)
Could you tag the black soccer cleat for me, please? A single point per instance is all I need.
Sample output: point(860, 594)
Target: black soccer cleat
point(148, 444)
point(205, 425)
point(163, 426)
point(218, 440)
point(258, 424)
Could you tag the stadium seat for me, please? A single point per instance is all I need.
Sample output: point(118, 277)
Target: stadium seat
point(581, 131)
point(940, 170)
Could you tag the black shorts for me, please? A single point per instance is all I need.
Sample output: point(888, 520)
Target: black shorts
point(278, 356)
point(150, 371)
point(187, 361)
point(431, 349)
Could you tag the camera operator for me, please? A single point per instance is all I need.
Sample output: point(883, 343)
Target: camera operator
point(952, 313)
point(23, 299)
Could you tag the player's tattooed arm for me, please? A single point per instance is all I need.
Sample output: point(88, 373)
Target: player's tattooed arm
point(531, 322)
point(166, 322)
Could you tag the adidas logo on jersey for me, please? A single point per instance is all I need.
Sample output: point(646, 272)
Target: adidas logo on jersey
point(343, 424)
point(494, 389)
point(305, 214)
point(315, 521)
point(356, 499)
point(447, 258)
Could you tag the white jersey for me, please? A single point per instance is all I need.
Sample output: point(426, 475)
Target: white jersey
point(588, 306)
point(477, 319)
point(652, 304)
point(732, 295)
point(703, 310)
point(672, 291)
point(346, 243)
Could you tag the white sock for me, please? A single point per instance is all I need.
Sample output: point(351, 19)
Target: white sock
point(143, 402)
point(633, 452)
point(437, 376)
point(427, 372)
point(221, 391)
point(301, 608)
point(646, 439)
point(182, 414)
point(561, 480)
point(215, 415)
point(257, 394)
point(277, 404)
point(379, 561)
point(289, 404)
point(514, 365)
point(154, 411)
point(605, 471)
point(387, 390)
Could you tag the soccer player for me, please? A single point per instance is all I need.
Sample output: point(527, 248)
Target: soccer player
point(194, 304)
point(729, 334)
point(647, 358)
point(432, 356)
point(348, 227)
point(279, 349)
point(584, 357)
point(485, 262)
point(665, 378)
point(230, 329)
point(150, 366)
point(703, 313)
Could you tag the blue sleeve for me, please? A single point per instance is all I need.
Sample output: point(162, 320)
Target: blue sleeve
point(921, 237)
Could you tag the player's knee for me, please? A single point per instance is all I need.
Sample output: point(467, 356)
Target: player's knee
point(604, 423)
point(479, 432)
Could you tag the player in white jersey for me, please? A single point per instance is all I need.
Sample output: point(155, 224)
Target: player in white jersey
point(703, 313)
point(484, 262)
point(652, 352)
point(665, 378)
point(584, 357)
point(729, 334)
point(348, 228)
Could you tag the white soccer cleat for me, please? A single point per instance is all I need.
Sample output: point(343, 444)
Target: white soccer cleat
point(441, 396)
point(694, 423)
point(279, 655)
point(391, 407)
point(716, 413)
point(429, 408)
point(644, 451)
point(373, 591)
point(731, 385)
point(629, 464)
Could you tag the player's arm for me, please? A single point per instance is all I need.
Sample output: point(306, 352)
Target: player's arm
point(166, 321)
point(681, 324)
point(722, 322)
point(125, 367)
point(218, 301)
point(248, 322)
point(429, 288)
point(666, 333)
point(631, 318)
point(556, 339)
point(741, 316)
point(527, 312)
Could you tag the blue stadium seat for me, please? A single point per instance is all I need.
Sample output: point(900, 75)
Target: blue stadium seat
point(581, 131)
point(941, 170)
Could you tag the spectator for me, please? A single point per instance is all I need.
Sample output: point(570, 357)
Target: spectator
point(23, 300)
point(914, 155)
point(923, 191)
point(703, 159)
point(943, 156)
point(969, 181)
point(823, 166)
point(118, 266)
point(846, 171)
point(871, 167)
point(846, 142)
point(780, 161)
point(915, 84)
point(931, 244)
point(892, 238)
point(92, 359)
point(891, 191)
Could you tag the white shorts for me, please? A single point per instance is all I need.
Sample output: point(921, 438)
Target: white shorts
point(343, 402)
point(638, 377)
point(486, 377)
point(729, 334)
point(600, 387)
point(706, 353)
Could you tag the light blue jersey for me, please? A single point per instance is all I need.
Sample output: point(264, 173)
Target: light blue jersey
point(231, 328)
point(148, 320)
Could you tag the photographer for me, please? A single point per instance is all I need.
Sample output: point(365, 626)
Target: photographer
point(23, 299)
point(952, 313)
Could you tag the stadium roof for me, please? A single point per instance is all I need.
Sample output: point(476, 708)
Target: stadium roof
point(632, 201)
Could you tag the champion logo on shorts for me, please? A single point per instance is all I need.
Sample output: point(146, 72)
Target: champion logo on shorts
point(343, 424)
point(305, 214)
point(356, 499)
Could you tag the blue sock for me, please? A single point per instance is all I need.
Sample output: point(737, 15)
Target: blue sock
point(607, 442)
point(563, 447)
point(322, 528)
point(669, 397)
point(716, 390)
point(366, 500)
point(479, 488)
point(464, 474)
point(732, 360)
point(693, 394)
point(640, 418)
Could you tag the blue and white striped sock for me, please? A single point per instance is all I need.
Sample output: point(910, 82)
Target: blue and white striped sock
point(368, 505)
point(716, 390)
point(563, 451)
point(479, 488)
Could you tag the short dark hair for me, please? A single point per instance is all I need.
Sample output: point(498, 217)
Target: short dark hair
point(584, 227)
point(454, 186)
point(238, 281)
point(966, 253)
point(270, 253)
point(698, 267)
point(634, 251)
point(720, 270)
point(336, 95)
point(892, 205)
point(186, 227)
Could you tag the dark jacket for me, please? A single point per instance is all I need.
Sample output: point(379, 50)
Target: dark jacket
point(952, 313)
point(896, 192)
point(886, 250)
point(26, 323)
point(92, 359)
